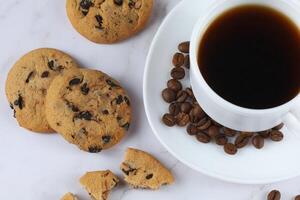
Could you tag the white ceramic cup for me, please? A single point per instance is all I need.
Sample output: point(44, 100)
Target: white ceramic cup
point(224, 112)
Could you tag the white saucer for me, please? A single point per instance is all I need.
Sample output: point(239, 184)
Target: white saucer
point(275, 162)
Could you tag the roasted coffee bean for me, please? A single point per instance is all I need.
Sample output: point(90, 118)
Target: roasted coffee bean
point(74, 81)
point(189, 91)
point(181, 96)
point(45, 74)
point(230, 148)
point(278, 127)
point(191, 129)
point(106, 139)
point(276, 136)
point(149, 176)
point(29, 76)
point(178, 59)
point(196, 114)
point(274, 195)
point(205, 125)
point(118, 2)
point(186, 62)
point(94, 149)
point(169, 120)
point(184, 47)
point(182, 119)
point(168, 95)
point(111, 83)
point(203, 137)
point(221, 139)
point(241, 141)
point(258, 141)
point(213, 131)
point(99, 19)
point(215, 123)
point(174, 108)
point(186, 107)
point(265, 134)
point(174, 84)
point(248, 134)
point(178, 73)
point(229, 132)
point(297, 197)
point(86, 4)
point(84, 89)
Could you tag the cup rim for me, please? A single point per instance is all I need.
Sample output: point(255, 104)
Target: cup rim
point(199, 29)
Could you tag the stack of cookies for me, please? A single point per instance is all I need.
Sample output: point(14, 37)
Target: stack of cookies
point(49, 92)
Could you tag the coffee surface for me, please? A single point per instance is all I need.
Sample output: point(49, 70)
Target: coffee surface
point(250, 56)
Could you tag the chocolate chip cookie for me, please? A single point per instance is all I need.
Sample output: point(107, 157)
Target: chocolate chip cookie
point(99, 183)
point(89, 109)
point(69, 196)
point(27, 84)
point(142, 170)
point(108, 21)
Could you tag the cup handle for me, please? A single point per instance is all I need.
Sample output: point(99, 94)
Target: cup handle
point(292, 121)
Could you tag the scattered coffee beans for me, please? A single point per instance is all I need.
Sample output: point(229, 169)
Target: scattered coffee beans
point(184, 111)
point(274, 195)
point(297, 197)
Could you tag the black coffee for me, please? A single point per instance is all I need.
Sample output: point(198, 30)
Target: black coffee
point(250, 56)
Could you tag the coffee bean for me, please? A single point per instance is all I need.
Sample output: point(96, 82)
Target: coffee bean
point(241, 141)
point(174, 84)
point(205, 125)
point(274, 195)
point(213, 131)
point(265, 134)
point(278, 127)
point(169, 120)
point(191, 129)
point(168, 95)
point(215, 123)
point(221, 139)
point(174, 108)
point(186, 62)
point(99, 19)
point(184, 47)
point(229, 132)
point(186, 107)
point(258, 141)
point(198, 111)
point(230, 148)
point(189, 91)
point(178, 59)
point(45, 74)
point(118, 2)
point(178, 73)
point(181, 96)
point(297, 197)
point(74, 81)
point(276, 136)
point(182, 119)
point(247, 134)
point(203, 137)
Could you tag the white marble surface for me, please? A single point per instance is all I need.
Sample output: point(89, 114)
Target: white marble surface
point(35, 166)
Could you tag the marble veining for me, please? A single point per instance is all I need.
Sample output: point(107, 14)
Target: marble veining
point(34, 166)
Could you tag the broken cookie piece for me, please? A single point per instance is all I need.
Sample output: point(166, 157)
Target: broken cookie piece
point(69, 196)
point(142, 170)
point(99, 183)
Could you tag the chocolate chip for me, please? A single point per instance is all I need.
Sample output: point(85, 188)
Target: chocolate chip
point(119, 99)
point(203, 137)
point(174, 108)
point(28, 77)
point(19, 102)
point(174, 84)
point(149, 176)
point(131, 4)
point(45, 74)
point(100, 21)
point(74, 81)
point(118, 2)
point(276, 136)
point(86, 4)
point(178, 59)
point(178, 73)
point(168, 95)
point(230, 148)
point(221, 139)
point(169, 120)
point(94, 149)
point(51, 65)
point(241, 141)
point(106, 139)
point(105, 112)
point(126, 126)
point(119, 118)
point(84, 89)
point(84, 12)
point(184, 47)
point(86, 115)
point(278, 127)
point(126, 99)
point(111, 83)
point(11, 106)
point(258, 141)
point(274, 195)
point(72, 106)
